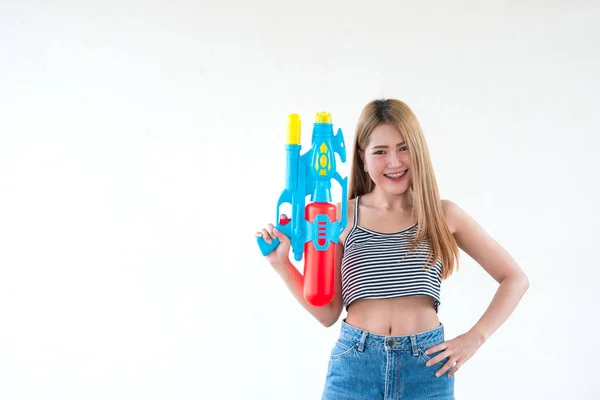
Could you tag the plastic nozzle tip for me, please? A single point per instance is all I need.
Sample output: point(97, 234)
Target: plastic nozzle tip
point(323, 117)
point(294, 128)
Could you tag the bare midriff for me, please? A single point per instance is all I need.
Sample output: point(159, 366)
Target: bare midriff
point(399, 316)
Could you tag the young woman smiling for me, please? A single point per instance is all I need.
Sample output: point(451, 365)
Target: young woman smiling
point(400, 243)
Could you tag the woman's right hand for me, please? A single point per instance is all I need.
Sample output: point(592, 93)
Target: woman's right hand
point(281, 255)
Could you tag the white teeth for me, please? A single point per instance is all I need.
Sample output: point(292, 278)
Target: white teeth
point(394, 176)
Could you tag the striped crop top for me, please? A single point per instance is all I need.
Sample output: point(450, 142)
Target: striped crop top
point(377, 265)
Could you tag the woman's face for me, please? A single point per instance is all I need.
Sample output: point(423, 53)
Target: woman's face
point(388, 160)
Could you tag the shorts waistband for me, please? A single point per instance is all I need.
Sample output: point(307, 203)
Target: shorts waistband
point(365, 338)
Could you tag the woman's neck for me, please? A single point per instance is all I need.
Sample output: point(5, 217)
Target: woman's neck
point(389, 201)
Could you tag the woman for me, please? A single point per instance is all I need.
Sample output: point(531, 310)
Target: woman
point(392, 344)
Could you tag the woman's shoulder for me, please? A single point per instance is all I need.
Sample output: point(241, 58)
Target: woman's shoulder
point(452, 213)
point(349, 217)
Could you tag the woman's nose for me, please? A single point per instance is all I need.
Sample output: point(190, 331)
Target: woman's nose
point(394, 160)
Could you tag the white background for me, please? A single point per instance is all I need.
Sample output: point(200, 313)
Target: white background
point(141, 147)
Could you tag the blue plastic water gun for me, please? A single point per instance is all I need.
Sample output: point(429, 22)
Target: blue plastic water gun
point(313, 227)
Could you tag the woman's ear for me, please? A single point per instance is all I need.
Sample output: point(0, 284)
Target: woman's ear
point(361, 154)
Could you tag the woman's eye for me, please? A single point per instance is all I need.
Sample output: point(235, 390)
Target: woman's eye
point(378, 152)
point(403, 148)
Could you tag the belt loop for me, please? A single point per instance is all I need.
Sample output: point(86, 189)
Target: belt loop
point(363, 339)
point(413, 343)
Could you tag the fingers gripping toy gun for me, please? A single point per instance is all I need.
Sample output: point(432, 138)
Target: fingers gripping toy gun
point(314, 228)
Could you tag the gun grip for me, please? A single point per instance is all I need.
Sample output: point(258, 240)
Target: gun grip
point(267, 248)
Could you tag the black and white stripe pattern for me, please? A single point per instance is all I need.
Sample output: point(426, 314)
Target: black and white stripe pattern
point(376, 265)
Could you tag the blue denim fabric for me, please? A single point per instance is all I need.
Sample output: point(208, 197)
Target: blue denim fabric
point(364, 365)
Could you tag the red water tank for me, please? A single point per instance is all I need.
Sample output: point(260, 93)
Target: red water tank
point(319, 265)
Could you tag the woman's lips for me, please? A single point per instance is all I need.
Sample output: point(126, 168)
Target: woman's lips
point(398, 179)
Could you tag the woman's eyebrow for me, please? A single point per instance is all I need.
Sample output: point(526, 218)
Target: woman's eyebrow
point(383, 146)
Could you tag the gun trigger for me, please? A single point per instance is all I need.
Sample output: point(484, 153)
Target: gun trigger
point(284, 221)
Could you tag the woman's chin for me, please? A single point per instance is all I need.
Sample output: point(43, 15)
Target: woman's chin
point(394, 188)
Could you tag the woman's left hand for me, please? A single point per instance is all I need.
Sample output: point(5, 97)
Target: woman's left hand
point(459, 350)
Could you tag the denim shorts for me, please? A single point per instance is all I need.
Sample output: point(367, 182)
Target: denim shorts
point(365, 365)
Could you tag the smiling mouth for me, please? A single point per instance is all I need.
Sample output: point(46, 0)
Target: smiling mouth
point(396, 175)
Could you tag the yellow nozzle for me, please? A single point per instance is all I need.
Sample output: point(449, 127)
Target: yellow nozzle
point(323, 117)
point(294, 128)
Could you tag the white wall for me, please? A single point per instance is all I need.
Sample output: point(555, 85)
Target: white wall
point(141, 146)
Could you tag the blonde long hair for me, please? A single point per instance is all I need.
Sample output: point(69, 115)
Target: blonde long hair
point(426, 199)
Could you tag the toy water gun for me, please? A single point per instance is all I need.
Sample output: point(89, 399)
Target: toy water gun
point(313, 229)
